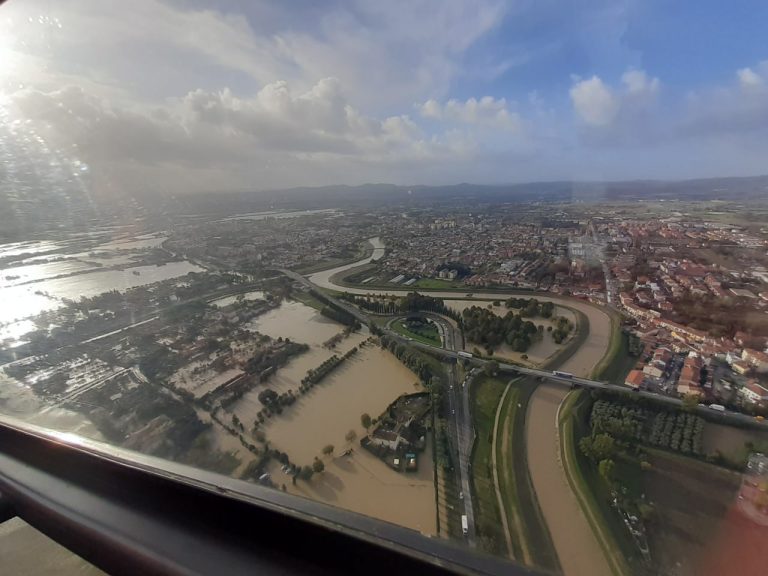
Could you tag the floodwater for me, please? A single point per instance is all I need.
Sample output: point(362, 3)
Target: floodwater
point(31, 299)
point(20, 402)
point(299, 323)
point(367, 382)
point(296, 321)
point(362, 483)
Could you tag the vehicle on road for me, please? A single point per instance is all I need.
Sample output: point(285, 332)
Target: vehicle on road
point(464, 354)
point(464, 525)
point(562, 374)
point(717, 407)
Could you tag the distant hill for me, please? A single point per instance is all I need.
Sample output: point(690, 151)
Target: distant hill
point(754, 188)
point(46, 207)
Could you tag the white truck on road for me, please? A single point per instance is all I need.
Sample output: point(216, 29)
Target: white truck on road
point(464, 524)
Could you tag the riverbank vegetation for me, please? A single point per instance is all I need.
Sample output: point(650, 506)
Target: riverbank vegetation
point(590, 489)
point(482, 326)
point(485, 397)
point(530, 307)
point(612, 447)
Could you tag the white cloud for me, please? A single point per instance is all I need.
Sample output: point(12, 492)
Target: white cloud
point(738, 111)
point(487, 111)
point(748, 78)
point(623, 108)
point(594, 102)
point(637, 82)
point(277, 137)
point(385, 53)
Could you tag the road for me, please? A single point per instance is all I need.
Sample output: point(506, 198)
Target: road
point(461, 425)
point(461, 432)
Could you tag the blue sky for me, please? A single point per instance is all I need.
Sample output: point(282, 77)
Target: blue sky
point(236, 95)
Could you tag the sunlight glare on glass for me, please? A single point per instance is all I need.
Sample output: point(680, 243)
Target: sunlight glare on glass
point(9, 58)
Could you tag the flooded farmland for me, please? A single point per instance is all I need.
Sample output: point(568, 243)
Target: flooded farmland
point(362, 483)
point(297, 322)
point(367, 382)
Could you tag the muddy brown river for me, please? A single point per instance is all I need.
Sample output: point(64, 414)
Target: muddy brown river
point(577, 547)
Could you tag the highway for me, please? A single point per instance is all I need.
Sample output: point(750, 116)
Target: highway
point(461, 429)
point(461, 433)
point(726, 416)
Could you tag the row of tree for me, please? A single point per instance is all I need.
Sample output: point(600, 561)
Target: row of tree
point(632, 424)
point(530, 307)
point(417, 361)
point(411, 302)
point(315, 375)
point(563, 327)
point(678, 432)
point(625, 422)
point(341, 316)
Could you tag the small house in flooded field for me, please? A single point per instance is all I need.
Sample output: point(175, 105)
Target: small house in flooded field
point(400, 432)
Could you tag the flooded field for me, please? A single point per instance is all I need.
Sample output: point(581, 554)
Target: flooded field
point(31, 299)
point(367, 382)
point(297, 322)
point(18, 401)
point(362, 483)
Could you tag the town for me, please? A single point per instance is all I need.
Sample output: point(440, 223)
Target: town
point(431, 333)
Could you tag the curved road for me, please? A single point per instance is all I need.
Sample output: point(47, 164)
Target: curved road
point(577, 547)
